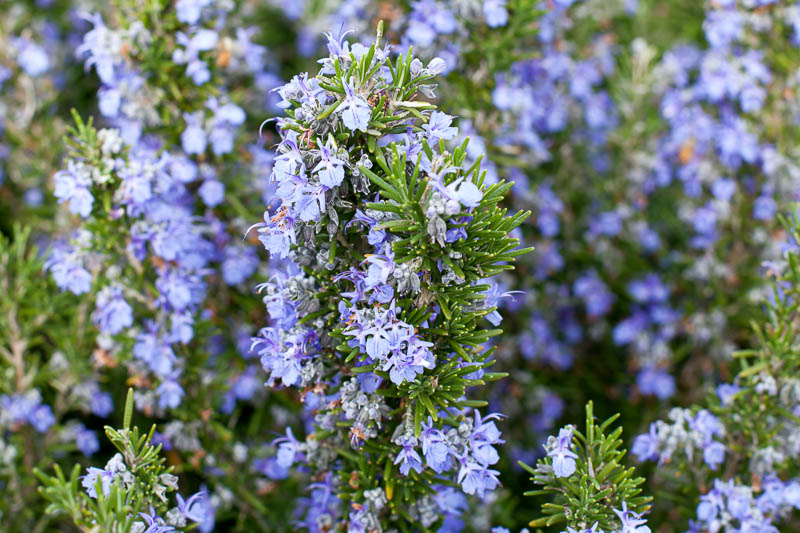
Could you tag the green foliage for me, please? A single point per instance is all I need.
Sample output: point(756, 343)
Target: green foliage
point(28, 300)
point(143, 487)
point(600, 484)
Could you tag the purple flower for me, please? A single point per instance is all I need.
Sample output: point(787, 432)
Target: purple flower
point(86, 440)
point(723, 188)
point(212, 192)
point(89, 481)
point(169, 394)
point(656, 381)
point(725, 392)
point(631, 522)
point(461, 190)
point(188, 11)
point(42, 418)
point(591, 289)
point(559, 449)
point(239, 264)
point(439, 127)
point(154, 523)
point(427, 19)
point(645, 446)
point(289, 450)
point(68, 271)
point(648, 289)
point(475, 478)
point(106, 476)
point(714, 454)
point(112, 313)
point(408, 458)
point(723, 26)
point(330, 169)
point(31, 57)
point(495, 13)
point(406, 362)
point(708, 424)
point(434, 447)
point(154, 350)
point(355, 110)
point(103, 47)
point(72, 185)
point(202, 40)
point(592, 529)
point(101, 404)
point(227, 118)
point(626, 331)
point(484, 435)
point(193, 138)
point(764, 208)
point(198, 509)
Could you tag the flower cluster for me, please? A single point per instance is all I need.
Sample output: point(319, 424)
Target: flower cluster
point(379, 245)
point(150, 226)
point(158, 198)
point(654, 141)
point(753, 427)
point(26, 409)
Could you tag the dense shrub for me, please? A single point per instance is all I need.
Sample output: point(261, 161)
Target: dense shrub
point(397, 282)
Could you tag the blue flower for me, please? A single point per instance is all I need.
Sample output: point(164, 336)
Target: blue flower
point(154, 350)
point(723, 27)
point(212, 192)
point(31, 57)
point(631, 522)
point(68, 272)
point(656, 381)
point(189, 11)
point(561, 453)
point(330, 169)
point(42, 418)
point(714, 454)
point(227, 118)
point(103, 47)
point(408, 458)
point(483, 438)
point(645, 446)
point(289, 449)
point(764, 208)
point(101, 404)
point(439, 127)
point(239, 264)
point(154, 523)
point(405, 363)
point(476, 478)
point(593, 291)
point(458, 191)
point(112, 313)
point(72, 185)
point(202, 40)
point(193, 138)
point(434, 447)
point(495, 12)
point(198, 509)
point(355, 110)
point(169, 393)
point(86, 440)
point(106, 475)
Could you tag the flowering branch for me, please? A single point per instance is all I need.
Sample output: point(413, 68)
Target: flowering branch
point(378, 314)
point(590, 486)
